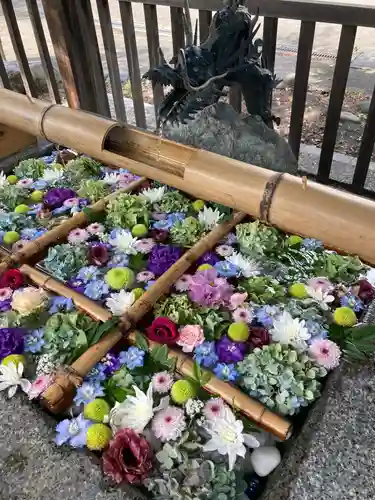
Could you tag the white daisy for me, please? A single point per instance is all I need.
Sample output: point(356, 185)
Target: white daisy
point(227, 437)
point(125, 242)
point(322, 296)
point(51, 175)
point(209, 218)
point(290, 331)
point(119, 303)
point(11, 378)
point(110, 178)
point(154, 195)
point(248, 267)
point(3, 180)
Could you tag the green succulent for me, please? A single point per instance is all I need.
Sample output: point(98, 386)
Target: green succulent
point(341, 268)
point(64, 261)
point(127, 210)
point(256, 238)
point(281, 378)
point(80, 169)
point(94, 190)
point(263, 290)
point(187, 232)
point(174, 201)
point(178, 308)
point(11, 196)
point(14, 222)
point(30, 169)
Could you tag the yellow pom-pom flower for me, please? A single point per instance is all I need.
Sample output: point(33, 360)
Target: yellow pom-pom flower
point(98, 437)
point(204, 267)
point(344, 316)
point(97, 410)
point(182, 391)
point(14, 358)
point(238, 332)
point(298, 290)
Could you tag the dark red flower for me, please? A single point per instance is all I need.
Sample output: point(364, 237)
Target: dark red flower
point(163, 331)
point(128, 458)
point(366, 291)
point(144, 185)
point(98, 255)
point(159, 235)
point(259, 337)
point(11, 279)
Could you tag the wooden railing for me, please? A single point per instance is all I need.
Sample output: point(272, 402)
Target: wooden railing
point(74, 38)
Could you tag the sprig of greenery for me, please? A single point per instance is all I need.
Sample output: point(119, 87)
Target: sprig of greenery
point(357, 343)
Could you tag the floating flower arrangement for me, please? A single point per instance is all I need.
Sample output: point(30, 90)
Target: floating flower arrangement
point(137, 239)
point(42, 193)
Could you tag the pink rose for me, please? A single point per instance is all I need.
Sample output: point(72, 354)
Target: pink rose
point(39, 386)
point(190, 337)
point(236, 300)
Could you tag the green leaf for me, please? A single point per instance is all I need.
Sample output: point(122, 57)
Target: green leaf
point(205, 378)
point(160, 354)
point(103, 328)
point(92, 216)
point(141, 342)
point(197, 372)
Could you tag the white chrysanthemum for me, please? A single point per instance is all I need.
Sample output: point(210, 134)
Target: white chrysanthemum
point(227, 437)
point(51, 175)
point(370, 276)
point(154, 195)
point(3, 180)
point(119, 303)
point(125, 242)
point(322, 296)
point(11, 378)
point(133, 413)
point(110, 178)
point(209, 217)
point(290, 331)
point(248, 267)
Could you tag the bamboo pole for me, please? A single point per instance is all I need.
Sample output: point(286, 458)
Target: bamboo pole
point(60, 232)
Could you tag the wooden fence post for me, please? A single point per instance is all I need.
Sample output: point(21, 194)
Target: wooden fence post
point(72, 29)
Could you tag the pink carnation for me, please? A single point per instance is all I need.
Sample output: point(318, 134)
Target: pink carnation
point(183, 284)
point(145, 276)
point(326, 353)
point(320, 284)
point(243, 314)
point(214, 408)
point(162, 382)
point(145, 245)
point(237, 300)
point(189, 337)
point(169, 424)
point(39, 386)
point(95, 228)
point(78, 236)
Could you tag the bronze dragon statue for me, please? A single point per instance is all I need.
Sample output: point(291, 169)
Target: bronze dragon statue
point(231, 55)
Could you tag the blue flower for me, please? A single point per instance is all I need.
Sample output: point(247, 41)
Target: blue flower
point(132, 358)
point(28, 233)
point(96, 375)
point(312, 244)
point(2, 235)
point(315, 329)
point(61, 304)
point(266, 314)
point(88, 273)
point(39, 185)
point(162, 224)
point(60, 210)
point(118, 260)
point(111, 363)
point(226, 372)
point(230, 239)
point(175, 217)
point(350, 300)
point(96, 289)
point(226, 269)
point(87, 393)
point(34, 341)
point(72, 432)
point(205, 354)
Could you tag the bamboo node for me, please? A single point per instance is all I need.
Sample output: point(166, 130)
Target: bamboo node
point(42, 116)
point(269, 191)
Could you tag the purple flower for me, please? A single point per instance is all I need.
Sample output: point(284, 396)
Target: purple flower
point(229, 351)
point(208, 258)
point(87, 393)
point(5, 305)
point(207, 290)
point(11, 341)
point(55, 197)
point(77, 285)
point(162, 257)
point(111, 363)
point(73, 431)
point(350, 300)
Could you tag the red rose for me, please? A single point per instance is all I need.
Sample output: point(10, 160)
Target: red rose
point(159, 235)
point(259, 337)
point(11, 279)
point(366, 292)
point(128, 458)
point(163, 331)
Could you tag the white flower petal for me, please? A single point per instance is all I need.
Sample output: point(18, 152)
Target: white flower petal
point(25, 385)
point(12, 391)
point(251, 441)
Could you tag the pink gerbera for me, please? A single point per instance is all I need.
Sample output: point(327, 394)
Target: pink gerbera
point(214, 408)
point(145, 276)
point(224, 250)
point(25, 182)
point(78, 236)
point(243, 314)
point(39, 386)
point(5, 294)
point(326, 353)
point(71, 202)
point(320, 284)
point(145, 245)
point(169, 424)
point(95, 228)
point(183, 284)
point(162, 382)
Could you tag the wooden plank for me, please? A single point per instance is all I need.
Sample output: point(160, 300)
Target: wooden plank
point(153, 42)
point(126, 12)
point(49, 72)
point(205, 19)
point(3, 74)
point(269, 41)
point(2, 53)
point(305, 45)
point(311, 10)
point(235, 98)
point(178, 34)
point(13, 140)
point(365, 150)
point(19, 49)
point(340, 77)
point(111, 58)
